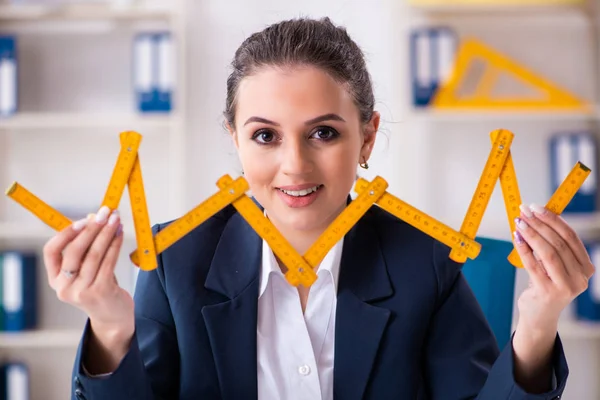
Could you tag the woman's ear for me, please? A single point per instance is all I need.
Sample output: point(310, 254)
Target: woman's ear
point(370, 133)
point(232, 133)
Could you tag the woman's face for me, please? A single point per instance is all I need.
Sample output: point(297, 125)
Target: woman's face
point(300, 139)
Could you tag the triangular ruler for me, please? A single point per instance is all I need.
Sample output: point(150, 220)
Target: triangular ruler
point(479, 68)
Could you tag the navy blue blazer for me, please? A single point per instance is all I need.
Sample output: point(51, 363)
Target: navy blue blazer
point(408, 325)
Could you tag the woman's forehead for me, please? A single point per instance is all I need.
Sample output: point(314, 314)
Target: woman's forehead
point(304, 90)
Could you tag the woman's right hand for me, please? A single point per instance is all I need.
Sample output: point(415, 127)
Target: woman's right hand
point(80, 262)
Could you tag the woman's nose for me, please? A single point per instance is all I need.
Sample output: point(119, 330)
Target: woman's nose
point(296, 159)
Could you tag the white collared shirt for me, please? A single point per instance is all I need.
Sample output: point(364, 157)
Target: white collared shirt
point(295, 351)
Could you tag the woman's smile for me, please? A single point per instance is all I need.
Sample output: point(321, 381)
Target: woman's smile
point(296, 196)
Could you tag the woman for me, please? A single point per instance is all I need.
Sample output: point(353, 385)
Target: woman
point(390, 315)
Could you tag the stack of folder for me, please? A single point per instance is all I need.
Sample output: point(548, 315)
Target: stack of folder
point(154, 72)
point(14, 381)
point(18, 291)
point(18, 313)
point(8, 76)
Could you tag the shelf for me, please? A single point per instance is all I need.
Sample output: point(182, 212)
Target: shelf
point(122, 121)
point(435, 115)
point(516, 6)
point(35, 232)
point(579, 330)
point(81, 12)
point(41, 338)
point(587, 226)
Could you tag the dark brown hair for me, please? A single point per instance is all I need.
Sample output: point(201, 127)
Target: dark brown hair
point(298, 42)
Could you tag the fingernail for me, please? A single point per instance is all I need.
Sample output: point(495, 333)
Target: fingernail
point(525, 209)
point(119, 230)
point(114, 217)
point(79, 224)
point(102, 214)
point(518, 237)
point(521, 224)
point(538, 209)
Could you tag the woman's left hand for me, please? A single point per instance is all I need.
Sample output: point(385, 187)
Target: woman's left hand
point(559, 270)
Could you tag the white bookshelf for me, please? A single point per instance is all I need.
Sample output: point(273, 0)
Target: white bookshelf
point(91, 128)
point(79, 12)
point(579, 330)
point(462, 116)
point(50, 341)
point(587, 226)
point(509, 7)
point(35, 232)
point(28, 121)
point(44, 338)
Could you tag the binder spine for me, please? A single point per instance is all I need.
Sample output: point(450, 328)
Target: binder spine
point(8, 76)
point(565, 150)
point(15, 381)
point(19, 287)
point(587, 304)
point(154, 72)
point(433, 50)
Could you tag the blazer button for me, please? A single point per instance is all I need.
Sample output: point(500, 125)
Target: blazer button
point(77, 382)
point(79, 394)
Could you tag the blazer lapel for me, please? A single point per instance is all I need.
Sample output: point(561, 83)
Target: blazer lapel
point(359, 325)
point(231, 325)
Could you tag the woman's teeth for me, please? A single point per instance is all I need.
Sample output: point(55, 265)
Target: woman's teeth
point(300, 193)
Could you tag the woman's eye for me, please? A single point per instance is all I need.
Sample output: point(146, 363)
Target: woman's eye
point(263, 137)
point(325, 133)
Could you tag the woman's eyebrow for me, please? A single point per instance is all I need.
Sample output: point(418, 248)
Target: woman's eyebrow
point(325, 117)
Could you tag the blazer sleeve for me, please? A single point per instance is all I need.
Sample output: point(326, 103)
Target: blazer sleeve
point(463, 358)
point(150, 369)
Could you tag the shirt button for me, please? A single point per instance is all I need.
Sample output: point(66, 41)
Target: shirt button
point(304, 370)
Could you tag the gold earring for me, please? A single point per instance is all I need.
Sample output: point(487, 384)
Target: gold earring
point(364, 164)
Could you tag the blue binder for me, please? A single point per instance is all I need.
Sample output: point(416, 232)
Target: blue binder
point(15, 381)
point(166, 72)
point(587, 304)
point(565, 150)
point(8, 76)
point(19, 290)
point(432, 50)
point(153, 72)
point(492, 279)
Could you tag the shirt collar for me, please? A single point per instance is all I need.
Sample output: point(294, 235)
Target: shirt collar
point(329, 265)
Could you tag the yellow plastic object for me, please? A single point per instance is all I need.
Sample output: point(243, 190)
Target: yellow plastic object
point(471, 51)
point(37, 207)
point(127, 171)
point(561, 198)
point(490, 175)
point(423, 222)
point(193, 218)
point(298, 270)
point(499, 166)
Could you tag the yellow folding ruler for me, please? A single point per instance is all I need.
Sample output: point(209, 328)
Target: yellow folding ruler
point(300, 269)
point(500, 166)
point(127, 171)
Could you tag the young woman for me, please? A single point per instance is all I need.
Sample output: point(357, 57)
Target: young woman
point(390, 315)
